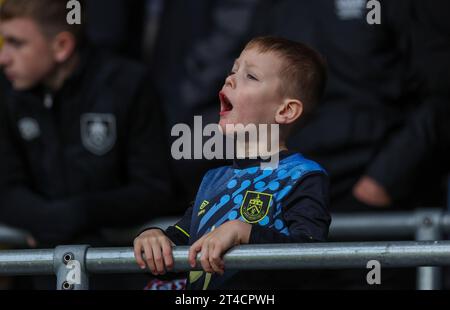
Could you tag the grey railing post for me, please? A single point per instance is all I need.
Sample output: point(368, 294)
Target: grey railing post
point(429, 228)
point(69, 265)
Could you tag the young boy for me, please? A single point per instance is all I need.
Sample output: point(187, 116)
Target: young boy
point(274, 81)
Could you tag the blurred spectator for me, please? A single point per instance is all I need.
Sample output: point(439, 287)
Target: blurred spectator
point(376, 92)
point(422, 145)
point(81, 143)
point(424, 142)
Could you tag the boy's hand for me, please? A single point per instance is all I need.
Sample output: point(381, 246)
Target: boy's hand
point(158, 251)
point(213, 245)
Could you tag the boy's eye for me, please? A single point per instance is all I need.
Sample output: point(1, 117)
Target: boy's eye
point(252, 77)
point(231, 73)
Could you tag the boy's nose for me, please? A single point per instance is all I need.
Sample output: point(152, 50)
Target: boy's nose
point(230, 81)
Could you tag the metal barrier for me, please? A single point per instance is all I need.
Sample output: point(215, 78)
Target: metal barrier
point(422, 225)
point(73, 264)
point(391, 224)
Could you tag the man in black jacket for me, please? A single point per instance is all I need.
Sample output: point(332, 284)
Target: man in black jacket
point(81, 135)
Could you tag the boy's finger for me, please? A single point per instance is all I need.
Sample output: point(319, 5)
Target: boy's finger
point(204, 259)
point(215, 260)
point(138, 255)
point(194, 249)
point(157, 257)
point(167, 255)
point(149, 258)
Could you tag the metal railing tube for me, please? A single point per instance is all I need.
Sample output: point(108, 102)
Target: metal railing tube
point(26, 262)
point(293, 256)
point(373, 225)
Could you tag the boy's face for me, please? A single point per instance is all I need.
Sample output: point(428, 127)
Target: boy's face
point(26, 56)
point(251, 94)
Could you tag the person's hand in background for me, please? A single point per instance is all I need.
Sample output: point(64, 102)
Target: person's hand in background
point(370, 192)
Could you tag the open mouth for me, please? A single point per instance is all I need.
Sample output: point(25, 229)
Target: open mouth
point(225, 104)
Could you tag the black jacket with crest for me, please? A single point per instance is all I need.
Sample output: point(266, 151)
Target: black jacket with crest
point(87, 157)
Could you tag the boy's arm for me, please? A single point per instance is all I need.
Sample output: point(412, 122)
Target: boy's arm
point(306, 214)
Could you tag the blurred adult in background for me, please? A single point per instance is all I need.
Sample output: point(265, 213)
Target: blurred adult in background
point(423, 144)
point(81, 136)
point(379, 92)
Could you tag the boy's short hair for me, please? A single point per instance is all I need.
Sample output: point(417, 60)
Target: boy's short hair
point(303, 72)
point(50, 15)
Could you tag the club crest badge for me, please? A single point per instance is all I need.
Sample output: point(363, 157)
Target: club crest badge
point(255, 206)
point(29, 128)
point(98, 132)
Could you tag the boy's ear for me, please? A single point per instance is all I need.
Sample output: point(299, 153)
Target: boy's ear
point(64, 44)
point(289, 111)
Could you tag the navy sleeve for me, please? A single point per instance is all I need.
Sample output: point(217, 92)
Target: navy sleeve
point(305, 212)
point(179, 233)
